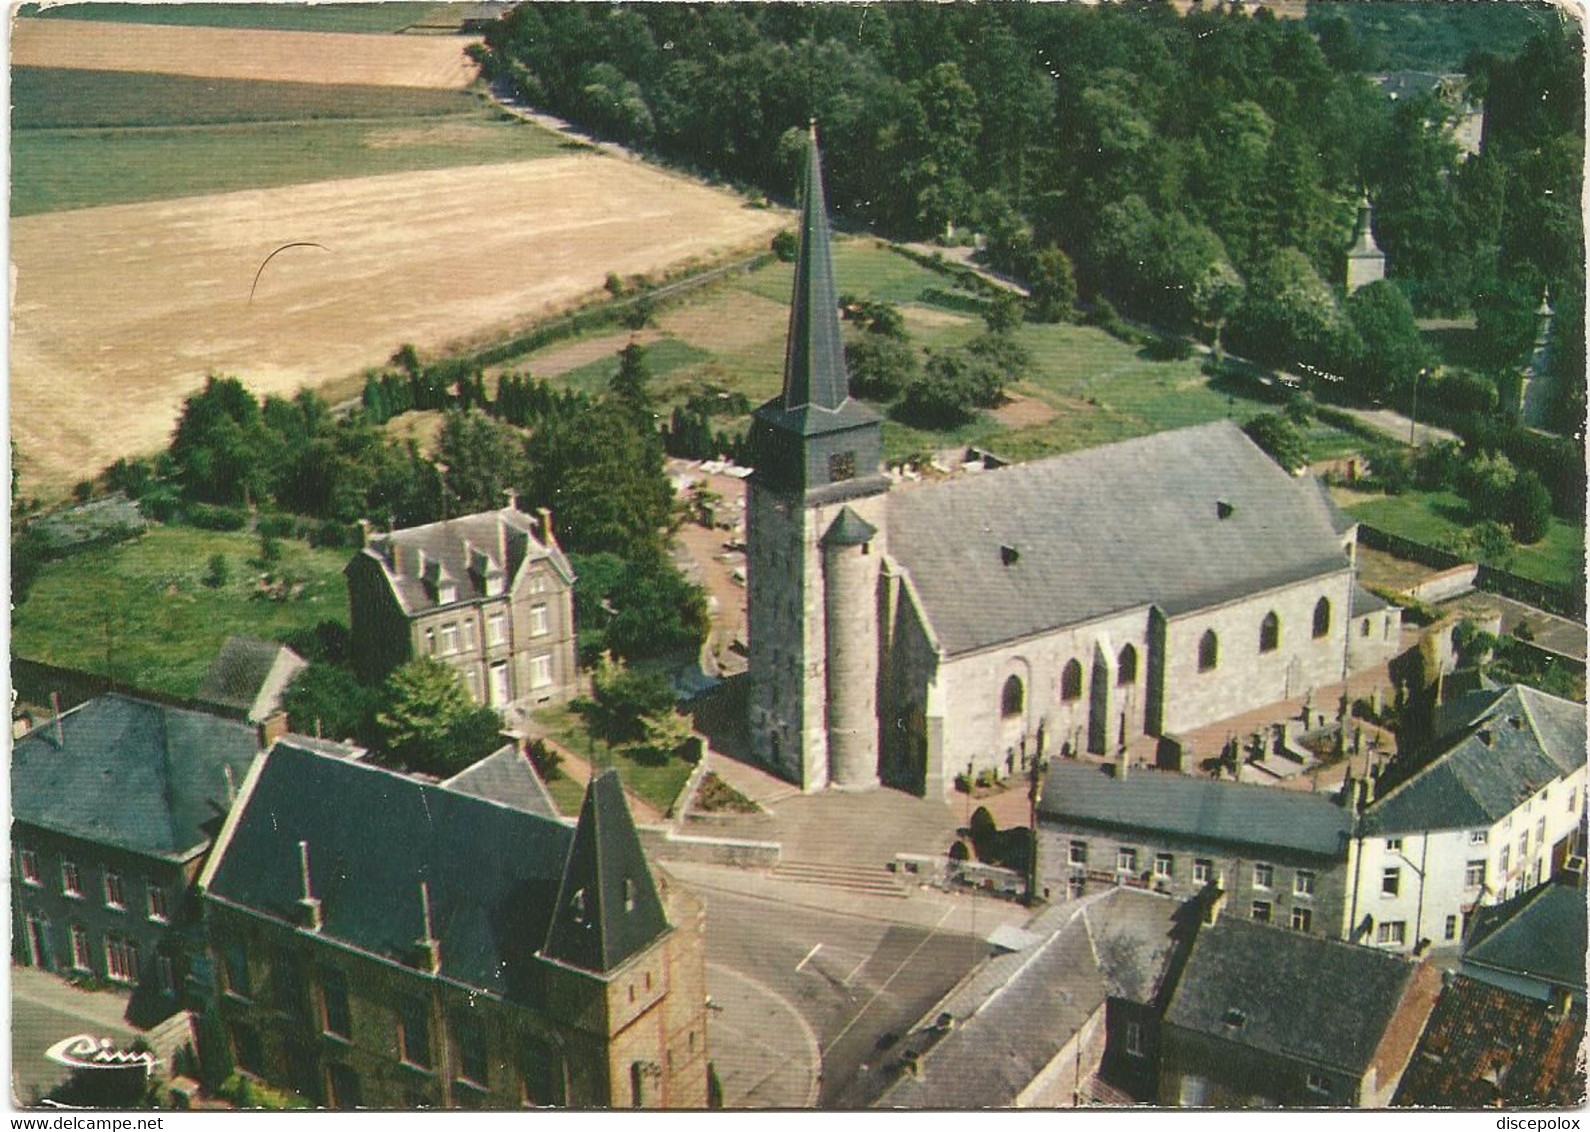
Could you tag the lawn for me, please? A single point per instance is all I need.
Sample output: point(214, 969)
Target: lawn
point(384, 18)
point(53, 170)
point(658, 784)
point(147, 603)
point(1435, 517)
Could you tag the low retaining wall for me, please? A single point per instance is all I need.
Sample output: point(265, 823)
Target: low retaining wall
point(1553, 599)
point(941, 872)
point(663, 843)
point(1446, 584)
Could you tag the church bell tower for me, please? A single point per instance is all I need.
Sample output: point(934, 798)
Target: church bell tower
point(815, 536)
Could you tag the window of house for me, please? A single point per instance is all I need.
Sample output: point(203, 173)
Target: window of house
point(1208, 651)
point(471, 1045)
point(538, 621)
point(538, 583)
point(246, 1049)
point(121, 960)
point(71, 879)
point(1079, 853)
point(166, 974)
point(1474, 874)
point(1011, 698)
point(1322, 618)
point(1270, 633)
point(446, 591)
point(287, 983)
point(1573, 799)
point(1394, 845)
point(159, 909)
point(1390, 881)
point(1134, 1039)
point(234, 963)
point(1203, 869)
point(1505, 859)
point(1478, 837)
point(1261, 911)
point(494, 584)
point(1392, 932)
point(1125, 860)
point(541, 671)
point(472, 682)
point(449, 639)
point(540, 1076)
point(1540, 832)
point(1126, 666)
point(1071, 681)
point(1263, 875)
point(29, 862)
point(1363, 630)
point(1164, 866)
point(81, 960)
point(115, 891)
point(430, 642)
point(1302, 919)
point(336, 1018)
point(1451, 927)
point(1523, 846)
point(1303, 883)
point(414, 1032)
point(1319, 1083)
point(343, 1088)
point(471, 640)
point(496, 629)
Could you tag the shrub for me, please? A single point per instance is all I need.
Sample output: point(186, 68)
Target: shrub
point(276, 526)
point(982, 826)
point(212, 517)
point(786, 245)
point(219, 573)
point(547, 759)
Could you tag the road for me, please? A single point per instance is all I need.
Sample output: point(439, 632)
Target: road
point(44, 1009)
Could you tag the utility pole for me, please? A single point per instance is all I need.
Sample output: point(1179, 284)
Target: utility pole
point(1413, 423)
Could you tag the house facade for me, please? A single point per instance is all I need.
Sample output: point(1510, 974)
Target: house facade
point(382, 942)
point(115, 805)
point(906, 634)
point(491, 595)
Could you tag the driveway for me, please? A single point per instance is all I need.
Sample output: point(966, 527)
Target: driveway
point(44, 1009)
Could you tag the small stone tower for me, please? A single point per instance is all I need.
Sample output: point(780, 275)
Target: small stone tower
point(815, 536)
point(1366, 263)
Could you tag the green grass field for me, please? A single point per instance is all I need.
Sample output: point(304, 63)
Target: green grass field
point(1435, 517)
point(166, 625)
point(384, 18)
point(658, 784)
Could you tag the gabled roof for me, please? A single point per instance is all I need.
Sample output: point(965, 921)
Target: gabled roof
point(1202, 809)
point(373, 836)
point(1540, 934)
point(1485, 1047)
point(1289, 993)
point(1519, 742)
point(1014, 1013)
point(139, 776)
point(463, 551)
point(608, 907)
point(249, 676)
point(506, 776)
point(1106, 530)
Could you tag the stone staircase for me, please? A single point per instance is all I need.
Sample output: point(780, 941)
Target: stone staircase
point(872, 880)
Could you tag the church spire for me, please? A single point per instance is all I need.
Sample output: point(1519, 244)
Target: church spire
point(814, 360)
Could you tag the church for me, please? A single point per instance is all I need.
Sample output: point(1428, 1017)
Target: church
point(905, 633)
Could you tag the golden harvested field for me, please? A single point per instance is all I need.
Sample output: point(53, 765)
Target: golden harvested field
point(121, 311)
point(435, 62)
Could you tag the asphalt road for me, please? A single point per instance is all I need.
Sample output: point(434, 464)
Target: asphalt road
point(44, 1010)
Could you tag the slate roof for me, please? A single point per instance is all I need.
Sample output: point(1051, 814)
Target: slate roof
point(1016, 1011)
point(1540, 934)
point(1299, 995)
point(249, 676)
point(1200, 809)
point(1109, 529)
point(1485, 1047)
point(506, 776)
point(1366, 601)
point(1518, 743)
point(463, 550)
point(373, 836)
point(814, 359)
point(131, 774)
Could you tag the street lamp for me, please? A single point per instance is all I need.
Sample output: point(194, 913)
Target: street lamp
point(1413, 423)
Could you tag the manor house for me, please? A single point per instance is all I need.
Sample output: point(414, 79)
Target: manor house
point(909, 633)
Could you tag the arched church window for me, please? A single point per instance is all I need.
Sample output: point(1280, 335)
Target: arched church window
point(1322, 618)
point(1270, 632)
point(1071, 681)
point(1126, 666)
point(1208, 651)
point(1012, 699)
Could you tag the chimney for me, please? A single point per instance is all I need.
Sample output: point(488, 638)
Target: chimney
point(549, 537)
point(1123, 764)
point(510, 497)
point(1215, 905)
point(1224, 510)
point(231, 785)
point(430, 948)
point(364, 532)
point(1487, 736)
point(308, 903)
point(272, 728)
point(60, 728)
point(1009, 555)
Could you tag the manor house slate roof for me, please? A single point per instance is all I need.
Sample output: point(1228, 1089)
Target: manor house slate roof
point(1520, 742)
point(1540, 935)
point(1110, 529)
point(1297, 995)
point(373, 835)
point(249, 675)
point(1197, 809)
point(131, 774)
point(506, 776)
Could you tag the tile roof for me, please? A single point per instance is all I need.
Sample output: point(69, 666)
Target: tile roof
point(1110, 529)
point(1486, 1047)
point(132, 774)
point(463, 550)
point(1513, 746)
point(506, 776)
point(1204, 809)
point(1540, 934)
point(1297, 995)
point(249, 676)
point(1016, 1011)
